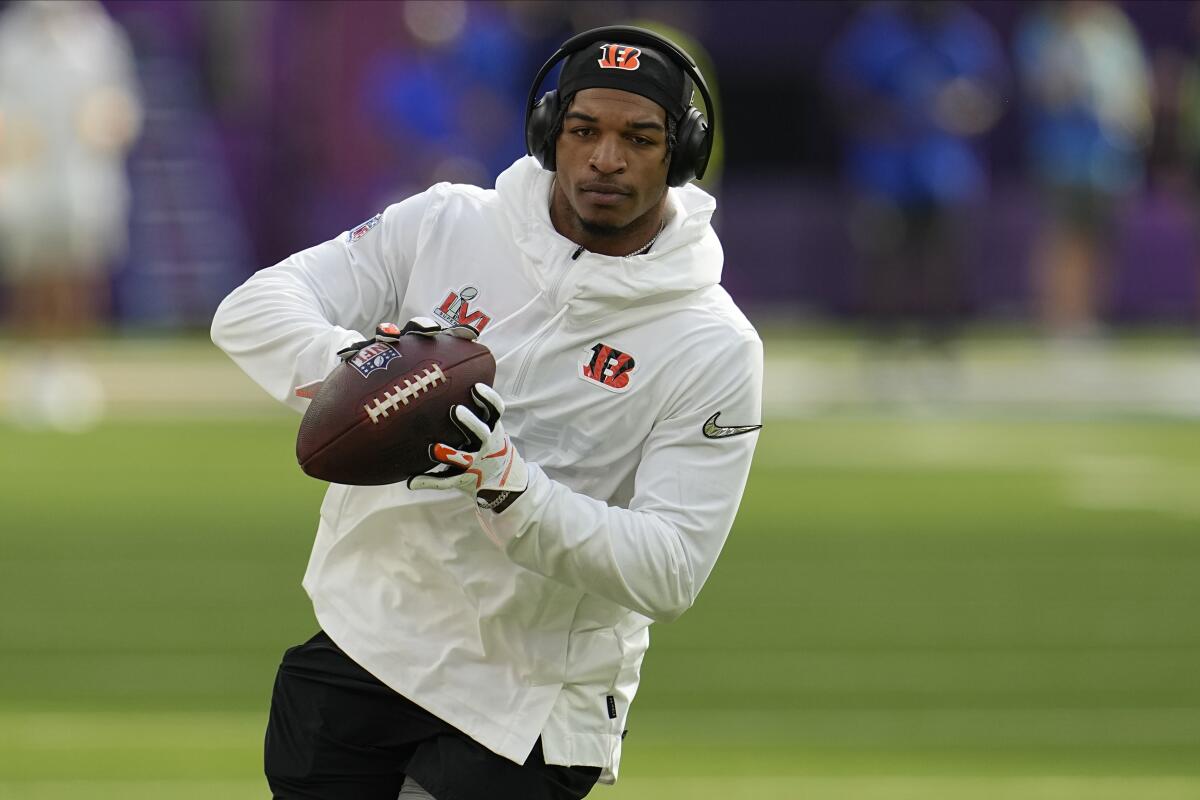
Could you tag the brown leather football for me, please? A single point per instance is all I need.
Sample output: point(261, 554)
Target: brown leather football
point(375, 416)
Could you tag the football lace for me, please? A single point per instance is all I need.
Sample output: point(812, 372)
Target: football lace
point(425, 380)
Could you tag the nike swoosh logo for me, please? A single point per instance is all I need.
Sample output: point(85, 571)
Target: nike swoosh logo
point(714, 431)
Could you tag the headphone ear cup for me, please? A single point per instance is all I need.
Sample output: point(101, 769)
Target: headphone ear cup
point(692, 148)
point(538, 142)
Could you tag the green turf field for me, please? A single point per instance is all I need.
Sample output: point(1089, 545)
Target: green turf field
point(925, 609)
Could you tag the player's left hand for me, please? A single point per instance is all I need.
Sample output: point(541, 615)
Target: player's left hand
point(417, 326)
point(490, 469)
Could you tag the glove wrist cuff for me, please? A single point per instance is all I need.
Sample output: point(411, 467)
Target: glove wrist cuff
point(490, 500)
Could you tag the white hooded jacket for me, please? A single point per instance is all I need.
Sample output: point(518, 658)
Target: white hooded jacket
point(532, 622)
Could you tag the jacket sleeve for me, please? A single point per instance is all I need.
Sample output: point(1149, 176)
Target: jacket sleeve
point(654, 556)
point(285, 324)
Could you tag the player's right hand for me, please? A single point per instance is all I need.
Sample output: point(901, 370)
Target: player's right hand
point(489, 468)
point(417, 326)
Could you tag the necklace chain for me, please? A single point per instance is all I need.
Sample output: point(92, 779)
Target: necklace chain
point(648, 244)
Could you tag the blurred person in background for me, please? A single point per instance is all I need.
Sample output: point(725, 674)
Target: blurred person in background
point(918, 83)
point(69, 112)
point(451, 103)
point(1087, 84)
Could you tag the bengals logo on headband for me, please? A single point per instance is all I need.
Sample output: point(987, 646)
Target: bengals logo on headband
point(619, 56)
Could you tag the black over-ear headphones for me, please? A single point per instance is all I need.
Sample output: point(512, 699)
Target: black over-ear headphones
point(693, 135)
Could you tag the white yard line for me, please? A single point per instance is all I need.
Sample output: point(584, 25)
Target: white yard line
point(1045, 382)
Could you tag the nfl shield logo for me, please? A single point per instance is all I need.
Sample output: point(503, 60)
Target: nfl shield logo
point(373, 357)
point(361, 230)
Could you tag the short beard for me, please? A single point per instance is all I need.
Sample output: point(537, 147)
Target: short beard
point(600, 230)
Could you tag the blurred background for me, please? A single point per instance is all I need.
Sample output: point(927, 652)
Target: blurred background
point(967, 564)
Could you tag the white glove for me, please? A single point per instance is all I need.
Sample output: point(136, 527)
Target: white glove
point(388, 333)
point(492, 471)
point(391, 332)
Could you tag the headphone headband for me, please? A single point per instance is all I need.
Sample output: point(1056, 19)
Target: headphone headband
point(630, 35)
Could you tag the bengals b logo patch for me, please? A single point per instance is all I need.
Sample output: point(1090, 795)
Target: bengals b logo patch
point(608, 367)
point(619, 56)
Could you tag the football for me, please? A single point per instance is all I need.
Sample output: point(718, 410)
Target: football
point(375, 416)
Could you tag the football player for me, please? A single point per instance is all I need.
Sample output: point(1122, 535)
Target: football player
point(482, 628)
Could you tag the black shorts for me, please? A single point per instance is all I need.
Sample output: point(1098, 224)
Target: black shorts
point(336, 732)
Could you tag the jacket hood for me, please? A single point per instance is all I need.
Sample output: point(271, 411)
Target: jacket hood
point(686, 257)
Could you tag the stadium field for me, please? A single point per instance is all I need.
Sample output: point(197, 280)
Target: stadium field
point(966, 608)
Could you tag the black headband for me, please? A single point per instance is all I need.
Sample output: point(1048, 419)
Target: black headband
point(638, 37)
point(632, 68)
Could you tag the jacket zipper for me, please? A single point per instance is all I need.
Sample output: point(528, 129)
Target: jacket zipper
point(519, 381)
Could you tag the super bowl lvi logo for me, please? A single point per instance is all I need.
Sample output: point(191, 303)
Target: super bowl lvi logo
point(456, 310)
